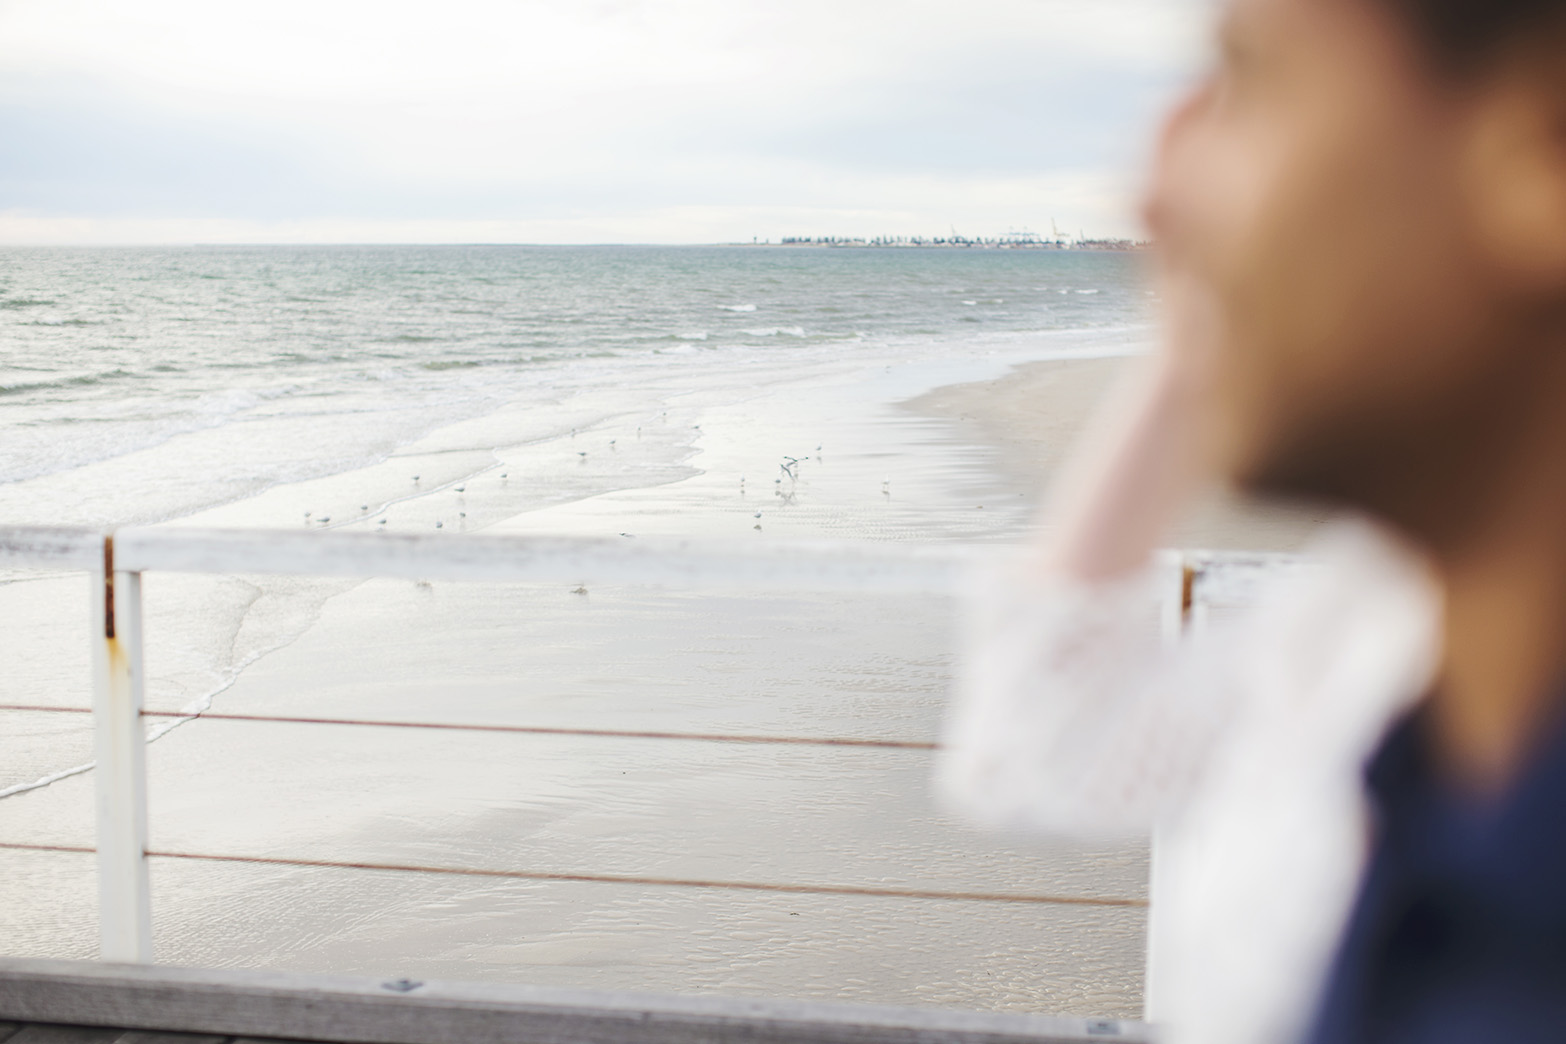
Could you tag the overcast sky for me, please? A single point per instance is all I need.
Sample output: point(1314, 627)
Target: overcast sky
point(578, 120)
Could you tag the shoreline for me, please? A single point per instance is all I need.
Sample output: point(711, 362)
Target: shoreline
point(1029, 419)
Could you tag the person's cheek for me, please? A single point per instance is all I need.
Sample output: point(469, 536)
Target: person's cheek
point(1166, 204)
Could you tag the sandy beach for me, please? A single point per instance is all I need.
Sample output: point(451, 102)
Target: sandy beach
point(1030, 417)
point(889, 385)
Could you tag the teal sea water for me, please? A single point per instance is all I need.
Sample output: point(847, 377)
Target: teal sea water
point(299, 362)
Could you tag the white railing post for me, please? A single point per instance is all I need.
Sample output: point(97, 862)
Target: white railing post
point(1176, 614)
point(124, 891)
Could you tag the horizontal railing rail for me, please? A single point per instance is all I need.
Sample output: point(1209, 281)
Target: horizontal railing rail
point(51, 547)
point(695, 563)
point(577, 877)
point(115, 562)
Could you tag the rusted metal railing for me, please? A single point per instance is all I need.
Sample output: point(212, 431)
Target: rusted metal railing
point(1196, 585)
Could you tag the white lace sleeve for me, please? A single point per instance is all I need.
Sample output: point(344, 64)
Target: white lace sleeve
point(1071, 713)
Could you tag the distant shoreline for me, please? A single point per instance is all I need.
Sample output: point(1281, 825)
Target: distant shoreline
point(1082, 246)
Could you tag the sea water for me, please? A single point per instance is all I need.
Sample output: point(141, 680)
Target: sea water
point(624, 391)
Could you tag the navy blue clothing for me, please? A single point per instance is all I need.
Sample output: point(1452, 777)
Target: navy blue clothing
point(1459, 930)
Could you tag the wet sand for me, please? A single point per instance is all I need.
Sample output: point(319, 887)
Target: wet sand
point(963, 462)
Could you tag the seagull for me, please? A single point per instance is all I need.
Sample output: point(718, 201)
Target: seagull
point(415, 478)
point(439, 524)
point(325, 519)
point(758, 514)
point(581, 453)
point(382, 522)
point(462, 489)
point(502, 474)
point(364, 507)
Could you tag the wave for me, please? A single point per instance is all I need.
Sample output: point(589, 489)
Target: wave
point(738, 308)
point(84, 380)
point(25, 302)
point(439, 365)
point(774, 331)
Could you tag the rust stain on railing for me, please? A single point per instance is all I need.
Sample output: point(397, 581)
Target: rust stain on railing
point(108, 592)
point(1187, 592)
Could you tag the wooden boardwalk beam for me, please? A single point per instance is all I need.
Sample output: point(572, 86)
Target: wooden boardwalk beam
point(57, 997)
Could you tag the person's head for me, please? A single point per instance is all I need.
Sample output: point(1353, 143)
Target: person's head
point(1372, 196)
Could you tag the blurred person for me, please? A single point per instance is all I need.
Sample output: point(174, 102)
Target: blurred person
point(1360, 791)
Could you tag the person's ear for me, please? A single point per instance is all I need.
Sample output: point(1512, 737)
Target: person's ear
point(1515, 167)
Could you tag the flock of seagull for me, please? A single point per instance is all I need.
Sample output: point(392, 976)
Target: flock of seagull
point(788, 468)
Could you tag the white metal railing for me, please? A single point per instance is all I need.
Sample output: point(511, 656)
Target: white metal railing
point(115, 562)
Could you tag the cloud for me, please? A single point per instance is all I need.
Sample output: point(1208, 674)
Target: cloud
point(548, 120)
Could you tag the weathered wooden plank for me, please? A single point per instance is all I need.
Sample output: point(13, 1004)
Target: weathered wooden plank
point(50, 547)
point(353, 1011)
point(65, 1035)
point(688, 563)
point(99, 1035)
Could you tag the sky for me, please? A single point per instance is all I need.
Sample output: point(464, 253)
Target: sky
point(579, 121)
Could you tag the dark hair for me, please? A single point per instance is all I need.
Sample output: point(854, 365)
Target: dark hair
point(1463, 33)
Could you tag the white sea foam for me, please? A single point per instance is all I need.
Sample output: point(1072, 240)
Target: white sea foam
point(774, 331)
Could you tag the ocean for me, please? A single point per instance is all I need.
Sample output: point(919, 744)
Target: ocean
point(620, 391)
